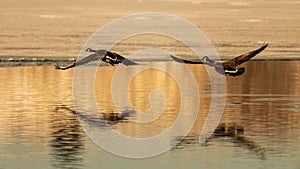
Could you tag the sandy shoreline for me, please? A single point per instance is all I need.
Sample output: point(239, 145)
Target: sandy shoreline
point(52, 29)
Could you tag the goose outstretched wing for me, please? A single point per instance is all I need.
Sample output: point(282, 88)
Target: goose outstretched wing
point(176, 59)
point(90, 58)
point(244, 57)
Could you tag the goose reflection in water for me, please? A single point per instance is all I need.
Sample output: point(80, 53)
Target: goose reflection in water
point(67, 135)
point(110, 117)
point(236, 133)
point(67, 140)
point(233, 131)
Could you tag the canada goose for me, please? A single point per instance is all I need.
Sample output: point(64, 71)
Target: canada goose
point(103, 55)
point(228, 67)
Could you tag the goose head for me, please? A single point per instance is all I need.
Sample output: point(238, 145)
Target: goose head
point(90, 50)
point(206, 59)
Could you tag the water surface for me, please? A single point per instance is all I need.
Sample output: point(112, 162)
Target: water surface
point(39, 127)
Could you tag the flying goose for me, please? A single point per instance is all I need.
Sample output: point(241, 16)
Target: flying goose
point(103, 55)
point(228, 67)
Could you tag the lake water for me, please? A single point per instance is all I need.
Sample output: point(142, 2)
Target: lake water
point(39, 128)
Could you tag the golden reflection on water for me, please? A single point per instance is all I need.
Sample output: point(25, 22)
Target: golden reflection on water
point(266, 101)
point(27, 96)
point(139, 92)
point(149, 80)
point(142, 86)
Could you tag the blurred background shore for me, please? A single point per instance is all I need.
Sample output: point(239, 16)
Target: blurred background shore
point(59, 29)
